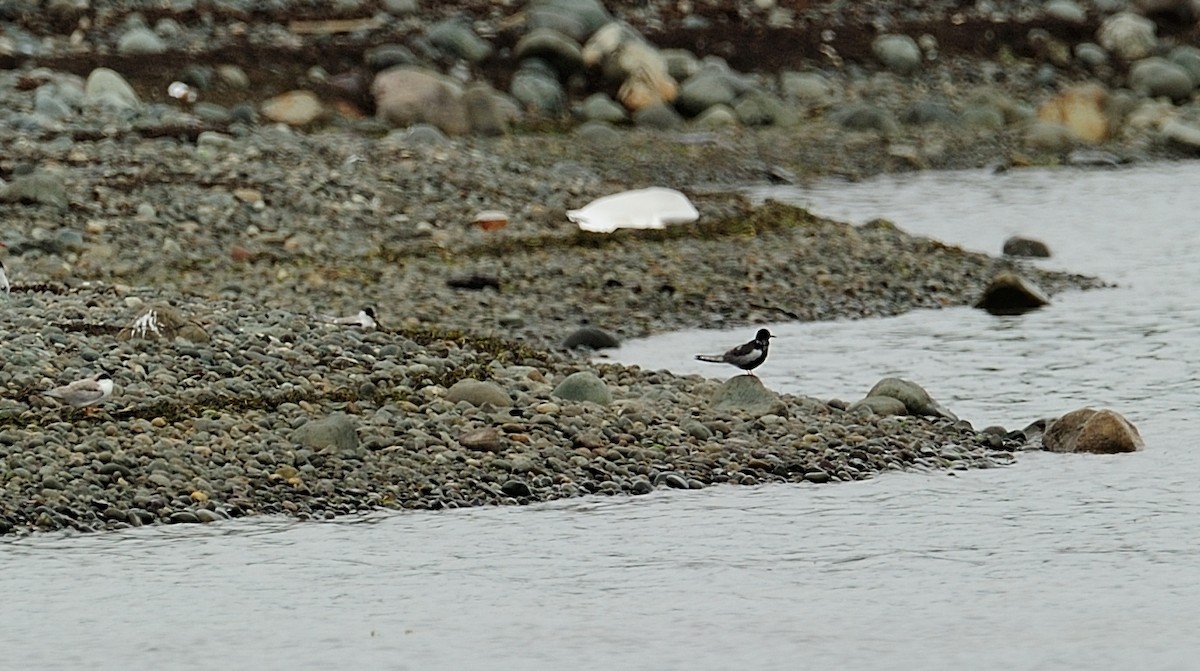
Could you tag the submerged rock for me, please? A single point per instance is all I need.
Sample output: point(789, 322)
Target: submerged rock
point(1010, 294)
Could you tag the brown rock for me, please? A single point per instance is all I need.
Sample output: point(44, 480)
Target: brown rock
point(486, 439)
point(1081, 110)
point(406, 95)
point(1092, 431)
point(294, 108)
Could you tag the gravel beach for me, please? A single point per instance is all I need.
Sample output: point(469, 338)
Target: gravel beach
point(189, 251)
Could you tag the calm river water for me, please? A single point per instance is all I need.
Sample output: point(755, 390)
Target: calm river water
point(1058, 562)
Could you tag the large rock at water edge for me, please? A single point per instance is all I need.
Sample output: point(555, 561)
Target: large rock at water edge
point(1010, 294)
point(746, 393)
point(884, 406)
point(914, 397)
point(1092, 431)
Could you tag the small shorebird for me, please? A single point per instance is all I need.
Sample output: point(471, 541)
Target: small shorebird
point(4, 286)
point(84, 393)
point(746, 356)
point(364, 319)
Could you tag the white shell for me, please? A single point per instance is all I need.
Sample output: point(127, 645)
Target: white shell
point(644, 208)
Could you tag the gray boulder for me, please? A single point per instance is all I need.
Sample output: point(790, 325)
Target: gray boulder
point(598, 134)
point(717, 116)
point(600, 107)
point(553, 47)
point(43, 188)
point(1127, 35)
point(408, 95)
point(746, 393)
point(454, 37)
point(924, 112)
point(478, 393)
point(107, 88)
point(1187, 57)
point(898, 53)
point(759, 108)
point(865, 117)
point(536, 87)
point(704, 89)
point(884, 406)
point(659, 116)
point(337, 432)
point(1182, 133)
point(488, 111)
point(914, 397)
point(140, 40)
point(583, 386)
point(576, 18)
point(1158, 77)
point(809, 89)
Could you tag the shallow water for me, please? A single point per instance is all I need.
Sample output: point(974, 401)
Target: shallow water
point(1059, 562)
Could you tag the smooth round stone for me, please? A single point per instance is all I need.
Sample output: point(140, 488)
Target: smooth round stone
point(516, 488)
point(600, 107)
point(598, 134)
point(456, 38)
point(898, 53)
point(552, 46)
point(658, 116)
point(590, 337)
point(140, 40)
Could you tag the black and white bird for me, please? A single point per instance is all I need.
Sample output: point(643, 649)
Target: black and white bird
point(4, 286)
point(83, 393)
point(747, 356)
point(364, 319)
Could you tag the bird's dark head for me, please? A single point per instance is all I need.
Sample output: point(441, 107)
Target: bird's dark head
point(370, 311)
point(103, 376)
point(763, 335)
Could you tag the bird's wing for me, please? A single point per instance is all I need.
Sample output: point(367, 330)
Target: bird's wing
point(80, 391)
point(742, 350)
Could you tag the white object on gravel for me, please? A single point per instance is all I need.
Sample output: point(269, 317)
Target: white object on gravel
point(643, 208)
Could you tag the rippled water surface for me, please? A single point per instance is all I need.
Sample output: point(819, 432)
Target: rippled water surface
point(1059, 562)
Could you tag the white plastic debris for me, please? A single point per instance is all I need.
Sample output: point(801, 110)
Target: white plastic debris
point(643, 208)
